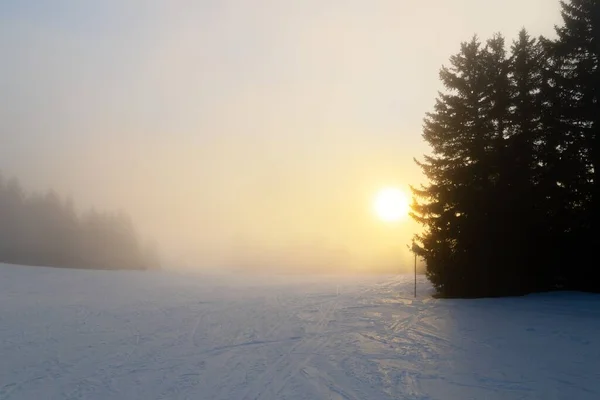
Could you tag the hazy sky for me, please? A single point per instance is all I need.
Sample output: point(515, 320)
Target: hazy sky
point(236, 132)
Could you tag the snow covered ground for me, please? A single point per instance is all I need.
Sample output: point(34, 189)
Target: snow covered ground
point(128, 335)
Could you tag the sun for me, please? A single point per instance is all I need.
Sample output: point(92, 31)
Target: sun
point(391, 204)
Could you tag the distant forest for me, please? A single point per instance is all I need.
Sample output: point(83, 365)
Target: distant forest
point(513, 200)
point(45, 230)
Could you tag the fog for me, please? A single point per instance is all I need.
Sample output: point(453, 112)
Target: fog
point(237, 134)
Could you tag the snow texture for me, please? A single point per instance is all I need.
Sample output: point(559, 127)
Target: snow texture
point(68, 334)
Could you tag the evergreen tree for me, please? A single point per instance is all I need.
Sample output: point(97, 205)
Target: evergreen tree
point(499, 223)
point(576, 55)
point(513, 199)
point(45, 230)
point(455, 207)
point(523, 195)
point(556, 170)
point(483, 209)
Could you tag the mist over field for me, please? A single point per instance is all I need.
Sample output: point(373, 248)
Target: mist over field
point(235, 134)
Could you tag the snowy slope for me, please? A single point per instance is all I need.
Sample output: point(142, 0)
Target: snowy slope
point(129, 335)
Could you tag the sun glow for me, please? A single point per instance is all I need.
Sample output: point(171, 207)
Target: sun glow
point(391, 204)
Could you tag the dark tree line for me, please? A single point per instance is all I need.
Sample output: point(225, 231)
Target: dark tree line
point(513, 200)
point(46, 230)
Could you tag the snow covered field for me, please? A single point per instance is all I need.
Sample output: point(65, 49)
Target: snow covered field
point(128, 335)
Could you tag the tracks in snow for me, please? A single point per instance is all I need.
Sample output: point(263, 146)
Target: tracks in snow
point(277, 375)
point(301, 341)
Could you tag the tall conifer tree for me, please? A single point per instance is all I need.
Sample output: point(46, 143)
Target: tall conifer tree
point(576, 55)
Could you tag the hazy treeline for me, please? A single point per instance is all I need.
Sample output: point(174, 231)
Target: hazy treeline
point(46, 230)
point(513, 200)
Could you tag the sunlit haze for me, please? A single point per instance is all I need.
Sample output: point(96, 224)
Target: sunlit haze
point(250, 134)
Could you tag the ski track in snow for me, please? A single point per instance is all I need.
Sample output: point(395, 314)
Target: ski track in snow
point(127, 335)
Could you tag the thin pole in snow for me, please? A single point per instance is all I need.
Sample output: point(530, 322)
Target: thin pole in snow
point(415, 275)
point(414, 250)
